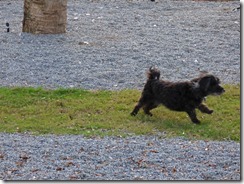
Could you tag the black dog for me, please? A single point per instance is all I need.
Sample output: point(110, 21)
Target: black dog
point(178, 96)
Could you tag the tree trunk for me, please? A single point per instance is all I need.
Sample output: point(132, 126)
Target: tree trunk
point(45, 16)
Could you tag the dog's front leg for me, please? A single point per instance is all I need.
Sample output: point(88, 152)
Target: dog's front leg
point(193, 116)
point(203, 108)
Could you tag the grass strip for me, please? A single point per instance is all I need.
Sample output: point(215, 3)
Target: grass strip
point(102, 113)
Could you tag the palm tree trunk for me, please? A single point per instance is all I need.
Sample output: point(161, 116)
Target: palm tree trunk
point(45, 16)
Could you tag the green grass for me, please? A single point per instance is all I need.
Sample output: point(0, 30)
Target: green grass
point(76, 111)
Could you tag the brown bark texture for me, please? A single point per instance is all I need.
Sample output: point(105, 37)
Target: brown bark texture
point(45, 16)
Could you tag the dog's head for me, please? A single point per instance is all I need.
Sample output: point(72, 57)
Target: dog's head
point(209, 85)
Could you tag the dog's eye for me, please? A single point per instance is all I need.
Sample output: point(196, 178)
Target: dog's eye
point(214, 83)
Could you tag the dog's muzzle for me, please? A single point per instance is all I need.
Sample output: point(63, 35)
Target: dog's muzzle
point(219, 90)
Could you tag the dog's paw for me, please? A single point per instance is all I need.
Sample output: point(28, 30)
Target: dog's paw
point(196, 121)
point(149, 113)
point(210, 111)
point(133, 114)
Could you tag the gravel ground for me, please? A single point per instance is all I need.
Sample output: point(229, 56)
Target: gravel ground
point(27, 157)
point(110, 45)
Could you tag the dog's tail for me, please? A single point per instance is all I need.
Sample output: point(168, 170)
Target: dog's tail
point(153, 73)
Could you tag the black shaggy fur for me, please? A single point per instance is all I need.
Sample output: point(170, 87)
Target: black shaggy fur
point(178, 96)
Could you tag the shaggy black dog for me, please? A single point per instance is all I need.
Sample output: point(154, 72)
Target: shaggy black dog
point(178, 96)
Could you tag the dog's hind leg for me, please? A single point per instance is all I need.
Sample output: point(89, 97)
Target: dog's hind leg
point(149, 107)
point(144, 100)
point(140, 104)
point(203, 108)
point(193, 116)
point(136, 109)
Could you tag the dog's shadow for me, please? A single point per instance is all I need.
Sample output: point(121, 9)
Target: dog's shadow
point(166, 120)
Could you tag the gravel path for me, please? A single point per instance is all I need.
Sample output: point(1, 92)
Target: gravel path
point(26, 157)
point(110, 44)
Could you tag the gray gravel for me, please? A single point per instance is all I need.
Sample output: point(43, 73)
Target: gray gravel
point(110, 44)
point(27, 157)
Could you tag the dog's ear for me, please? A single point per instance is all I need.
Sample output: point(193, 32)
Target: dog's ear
point(204, 83)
